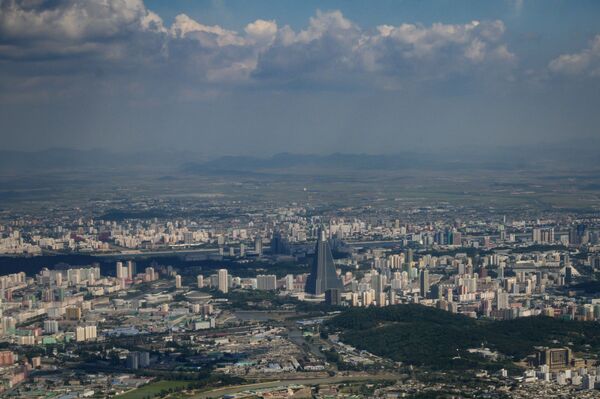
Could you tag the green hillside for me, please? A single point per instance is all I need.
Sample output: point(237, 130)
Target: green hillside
point(429, 337)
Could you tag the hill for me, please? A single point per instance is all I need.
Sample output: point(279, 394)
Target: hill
point(428, 337)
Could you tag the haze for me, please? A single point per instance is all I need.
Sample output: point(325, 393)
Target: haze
point(227, 77)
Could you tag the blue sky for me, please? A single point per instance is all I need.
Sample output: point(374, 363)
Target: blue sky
point(559, 24)
point(259, 77)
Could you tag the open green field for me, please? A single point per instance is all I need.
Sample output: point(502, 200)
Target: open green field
point(149, 390)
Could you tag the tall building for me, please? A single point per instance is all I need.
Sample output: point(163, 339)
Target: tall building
point(200, 281)
point(266, 282)
point(150, 274)
point(85, 333)
point(73, 313)
point(120, 270)
point(378, 283)
point(223, 281)
point(289, 282)
point(456, 238)
point(279, 244)
point(322, 276)
point(178, 281)
point(258, 245)
point(131, 269)
point(50, 326)
point(333, 296)
point(133, 361)
point(502, 300)
point(137, 360)
point(424, 282)
point(568, 275)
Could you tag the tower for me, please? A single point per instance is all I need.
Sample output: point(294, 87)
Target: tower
point(424, 282)
point(223, 281)
point(322, 275)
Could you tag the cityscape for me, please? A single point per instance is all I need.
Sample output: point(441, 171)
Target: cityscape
point(170, 227)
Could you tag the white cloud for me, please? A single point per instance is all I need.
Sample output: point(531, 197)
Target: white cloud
point(331, 49)
point(585, 62)
point(210, 36)
point(332, 45)
point(262, 32)
point(71, 19)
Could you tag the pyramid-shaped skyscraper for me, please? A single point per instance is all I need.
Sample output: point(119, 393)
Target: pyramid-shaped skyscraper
point(322, 275)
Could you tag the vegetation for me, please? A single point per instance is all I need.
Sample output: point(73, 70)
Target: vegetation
point(159, 389)
point(155, 389)
point(428, 337)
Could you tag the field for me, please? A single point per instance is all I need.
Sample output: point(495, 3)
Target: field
point(154, 388)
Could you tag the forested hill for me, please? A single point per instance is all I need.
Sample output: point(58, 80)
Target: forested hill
point(424, 336)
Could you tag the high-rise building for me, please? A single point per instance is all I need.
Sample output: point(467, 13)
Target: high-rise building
point(85, 333)
point(150, 274)
point(136, 360)
point(50, 326)
point(289, 282)
point(378, 283)
point(279, 244)
point(501, 300)
point(133, 361)
point(367, 298)
point(200, 281)
point(178, 281)
point(144, 359)
point(322, 276)
point(568, 275)
point(266, 282)
point(333, 297)
point(456, 238)
point(223, 281)
point(258, 245)
point(131, 269)
point(73, 313)
point(120, 271)
point(424, 282)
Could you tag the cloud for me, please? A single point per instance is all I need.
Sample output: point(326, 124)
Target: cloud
point(440, 49)
point(583, 63)
point(209, 36)
point(333, 46)
point(56, 29)
point(74, 20)
point(262, 32)
point(120, 36)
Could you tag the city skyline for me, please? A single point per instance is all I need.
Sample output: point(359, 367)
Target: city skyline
point(299, 199)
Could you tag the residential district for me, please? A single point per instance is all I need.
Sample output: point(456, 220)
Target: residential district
point(179, 307)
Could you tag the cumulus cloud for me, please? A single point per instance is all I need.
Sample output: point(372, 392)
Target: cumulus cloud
point(54, 29)
point(334, 46)
point(438, 50)
point(330, 49)
point(262, 32)
point(585, 62)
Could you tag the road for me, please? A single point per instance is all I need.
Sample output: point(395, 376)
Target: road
point(217, 393)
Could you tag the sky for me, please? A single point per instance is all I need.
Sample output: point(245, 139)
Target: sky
point(266, 76)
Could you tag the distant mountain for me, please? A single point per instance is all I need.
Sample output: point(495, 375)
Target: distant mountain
point(58, 159)
point(576, 156)
point(339, 161)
